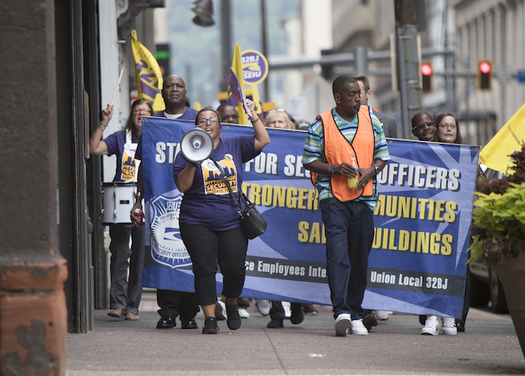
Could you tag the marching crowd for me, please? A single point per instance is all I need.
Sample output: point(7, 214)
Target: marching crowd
point(350, 131)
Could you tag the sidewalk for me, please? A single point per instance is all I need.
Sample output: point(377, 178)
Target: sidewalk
point(394, 347)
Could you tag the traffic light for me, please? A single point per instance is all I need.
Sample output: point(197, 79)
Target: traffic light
point(204, 12)
point(163, 58)
point(327, 70)
point(484, 75)
point(427, 77)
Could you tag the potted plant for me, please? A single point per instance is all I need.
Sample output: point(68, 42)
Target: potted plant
point(498, 236)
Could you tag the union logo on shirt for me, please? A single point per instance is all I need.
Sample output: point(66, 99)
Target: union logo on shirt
point(129, 168)
point(213, 181)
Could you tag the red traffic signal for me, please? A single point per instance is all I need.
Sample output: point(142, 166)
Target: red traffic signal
point(485, 67)
point(484, 75)
point(427, 77)
point(426, 69)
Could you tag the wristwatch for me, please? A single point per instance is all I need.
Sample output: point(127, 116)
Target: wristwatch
point(377, 170)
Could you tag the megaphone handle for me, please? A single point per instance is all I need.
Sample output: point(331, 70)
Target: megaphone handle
point(221, 171)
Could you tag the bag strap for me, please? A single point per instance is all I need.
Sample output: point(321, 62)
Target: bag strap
point(221, 171)
point(245, 199)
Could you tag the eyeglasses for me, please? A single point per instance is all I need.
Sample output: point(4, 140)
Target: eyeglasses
point(205, 121)
point(449, 126)
point(142, 111)
point(423, 125)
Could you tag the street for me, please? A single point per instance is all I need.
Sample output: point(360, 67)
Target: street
point(394, 347)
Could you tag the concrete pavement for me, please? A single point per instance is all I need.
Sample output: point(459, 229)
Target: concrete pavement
point(394, 347)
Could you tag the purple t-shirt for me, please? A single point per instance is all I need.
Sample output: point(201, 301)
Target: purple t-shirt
point(115, 144)
point(188, 114)
point(208, 201)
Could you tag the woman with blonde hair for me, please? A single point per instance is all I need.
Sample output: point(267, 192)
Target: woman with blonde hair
point(278, 119)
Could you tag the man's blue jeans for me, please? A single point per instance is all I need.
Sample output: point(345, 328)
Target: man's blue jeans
point(349, 229)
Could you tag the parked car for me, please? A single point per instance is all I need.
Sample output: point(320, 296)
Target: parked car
point(485, 286)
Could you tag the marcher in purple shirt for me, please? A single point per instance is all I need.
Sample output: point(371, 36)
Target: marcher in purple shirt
point(125, 292)
point(209, 223)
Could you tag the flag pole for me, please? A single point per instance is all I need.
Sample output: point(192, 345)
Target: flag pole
point(116, 88)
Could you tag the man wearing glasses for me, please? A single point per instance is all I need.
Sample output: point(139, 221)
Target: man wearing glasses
point(423, 126)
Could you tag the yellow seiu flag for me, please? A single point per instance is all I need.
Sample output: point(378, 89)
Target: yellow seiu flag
point(237, 68)
point(149, 76)
point(509, 139)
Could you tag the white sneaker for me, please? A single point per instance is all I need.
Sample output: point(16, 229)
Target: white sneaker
point(244, 313)
point(263, 306)
point(343, 322)
point(287, 309)
point(431, 326)
point(382, 315)
point(449, 326)
point(358, 328)
point(220, 310)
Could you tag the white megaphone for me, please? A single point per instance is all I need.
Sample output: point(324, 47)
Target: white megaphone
point(196, 145)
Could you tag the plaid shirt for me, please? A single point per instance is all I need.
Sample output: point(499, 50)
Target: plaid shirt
point(314, 150)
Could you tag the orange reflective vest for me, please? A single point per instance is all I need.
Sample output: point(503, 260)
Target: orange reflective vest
point(338, 150)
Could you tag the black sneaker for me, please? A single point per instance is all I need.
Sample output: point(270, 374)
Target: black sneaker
point(297, 316)
point(234, 319)
point(210, 326)
point(275, 324)
point(188, 324)
point(369, 320)
point(166, 322)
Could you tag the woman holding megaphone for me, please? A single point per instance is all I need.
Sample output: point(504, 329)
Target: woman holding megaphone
point(209, 223)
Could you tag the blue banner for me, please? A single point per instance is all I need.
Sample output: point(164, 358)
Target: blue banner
point(422, 220)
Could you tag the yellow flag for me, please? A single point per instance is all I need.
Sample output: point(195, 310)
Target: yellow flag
point(237, 68)
point(149, 76)
point(509, 139)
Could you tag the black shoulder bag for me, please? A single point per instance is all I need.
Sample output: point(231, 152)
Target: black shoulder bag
point(252, 221)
